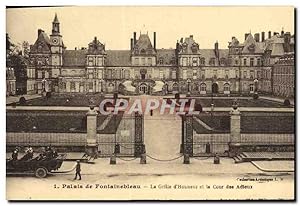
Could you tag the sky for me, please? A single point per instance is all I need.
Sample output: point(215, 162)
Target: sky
point(114, 26)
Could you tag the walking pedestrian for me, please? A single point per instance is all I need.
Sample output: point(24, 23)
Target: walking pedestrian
point(78, 170)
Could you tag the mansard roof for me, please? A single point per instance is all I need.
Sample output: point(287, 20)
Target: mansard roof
point(188, 46)
point(251, 46)
point(96, 47)
point(74, 57)
point(118, 58)
point(42, 44)
point(143, 46)
point(168, 56)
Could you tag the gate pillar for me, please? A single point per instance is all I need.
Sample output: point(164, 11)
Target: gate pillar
point(188, 135)
point(139, 146)
point(235, 125)
point(91, 129)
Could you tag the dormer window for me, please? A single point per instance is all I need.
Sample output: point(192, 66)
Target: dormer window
point(202, 61)
point(212, 61)
point(251, 48)
point(195, 47)
point(161, 61)
point(143, 51)
point(222, 61)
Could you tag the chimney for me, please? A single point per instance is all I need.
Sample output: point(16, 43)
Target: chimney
point(263, 36)
point(282, 32)
point(131, 44)
point(216, 46)
point(39, 31)
point(256, 37)
point(154, 40)
point(75, 48)
point(191, 36)
point(269, 35)
point(287, 41)
point(246, 35)
point(275, 33)
point(134, 38)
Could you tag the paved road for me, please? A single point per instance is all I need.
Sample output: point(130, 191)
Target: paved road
point(198, 173)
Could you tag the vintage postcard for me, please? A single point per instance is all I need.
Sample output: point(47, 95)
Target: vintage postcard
point(150, 103)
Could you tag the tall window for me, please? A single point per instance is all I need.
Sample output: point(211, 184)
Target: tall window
point(215, 74)
point(245, 74)
point(251, 74)
point(258, 63)
point(100, 61)
point(173, 74)
point(212, 61)
point(258, 74)
point(251, 88)
point(226, 87)
point(143, 61)
point(127, 74)
point(136, 61)
point(251, 62)
point(202, 87)
point(100, 74)
point(184, 61)
point(194, 74)
point(226, 74)
point(195, 61)
point(161, 74)
point(90, 85)
point(150, 61)
point(245, 62)
point(184, 74)
point(90, 61)
point(109, 74)
point(236, 62)
point(72, 86)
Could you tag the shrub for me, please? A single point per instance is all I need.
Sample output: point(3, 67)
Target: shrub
point(255, 96)
point(287, 102)
point(48, 95)
point(22, 101)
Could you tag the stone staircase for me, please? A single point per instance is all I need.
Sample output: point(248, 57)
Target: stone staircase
point(263, 156)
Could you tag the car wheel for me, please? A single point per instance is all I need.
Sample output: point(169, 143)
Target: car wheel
point(41, 172)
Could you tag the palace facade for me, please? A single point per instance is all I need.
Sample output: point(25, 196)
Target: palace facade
point(145, 69)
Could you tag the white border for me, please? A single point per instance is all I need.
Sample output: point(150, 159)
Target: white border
point(3, 4)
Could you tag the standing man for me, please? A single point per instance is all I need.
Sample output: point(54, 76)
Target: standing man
point(78, 170)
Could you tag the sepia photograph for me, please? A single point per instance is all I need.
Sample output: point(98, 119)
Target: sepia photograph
point(159, 103)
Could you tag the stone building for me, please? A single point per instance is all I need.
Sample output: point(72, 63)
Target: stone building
point(145, 69)
point(284, 76)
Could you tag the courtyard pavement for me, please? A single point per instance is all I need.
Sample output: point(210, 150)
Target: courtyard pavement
point(200, 173)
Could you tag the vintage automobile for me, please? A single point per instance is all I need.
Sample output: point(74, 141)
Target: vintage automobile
point(41, 166)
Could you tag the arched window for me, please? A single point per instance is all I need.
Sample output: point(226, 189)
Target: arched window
point(203, 87)
point(226, 88)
